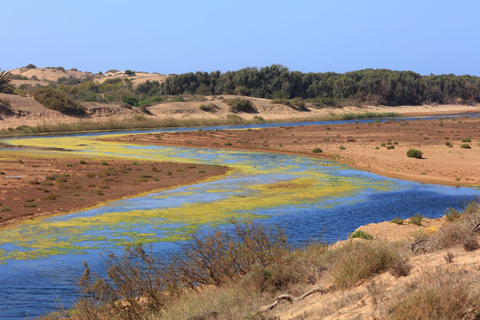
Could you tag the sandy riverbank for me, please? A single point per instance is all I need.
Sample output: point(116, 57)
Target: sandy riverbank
point(377, 147)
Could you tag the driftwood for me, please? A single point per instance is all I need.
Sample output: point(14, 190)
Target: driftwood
point(291, 298)
point(424, 245)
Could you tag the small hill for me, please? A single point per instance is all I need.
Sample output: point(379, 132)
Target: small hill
point(43, 76)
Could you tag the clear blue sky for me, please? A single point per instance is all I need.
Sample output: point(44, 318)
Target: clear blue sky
point(180, 36)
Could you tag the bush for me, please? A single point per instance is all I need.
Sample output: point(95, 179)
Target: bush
point(317, 150)
point(416, 219)
point(439, 294)
point(357, 261)
point(258, 119)
point(465, 146)
point(240, 105)
point(361, 234)
point(208, 108)
point(466, 140)
point(130, 72)
point(397, 220)
point(133, 101)
point(414, 153)
point(31, 66)
point(400, 268)
point(5, 107)
point(449, 144)
point(55, 99)
point(215, 257)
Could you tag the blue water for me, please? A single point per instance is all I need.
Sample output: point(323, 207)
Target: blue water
point(34, 287)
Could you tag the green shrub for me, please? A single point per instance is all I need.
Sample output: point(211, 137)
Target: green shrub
point(397, 220)
point(258, 119)
point(465, 146)
point(416, 219)
point(390, 147)
point(317, 150)
point(132, 101)
point(130, 72)
point(240, 105)
point(361, 234)
point(55, 99)
point(208, 108)
point(31, 66)
point(448, 144)
point(466, 140)
point(414, 153)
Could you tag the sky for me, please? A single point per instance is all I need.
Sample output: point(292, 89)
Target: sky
point(178, 36)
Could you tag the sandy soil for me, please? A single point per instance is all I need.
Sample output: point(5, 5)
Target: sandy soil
point(364, 146)
point(33, 187)
point(368, 300)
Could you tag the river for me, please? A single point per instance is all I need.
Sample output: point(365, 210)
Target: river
point(308, 197)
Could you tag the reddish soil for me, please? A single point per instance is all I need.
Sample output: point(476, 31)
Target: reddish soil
point(377, 147)
point(33, 187)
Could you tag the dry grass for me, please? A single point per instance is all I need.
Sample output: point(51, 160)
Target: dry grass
point(439, 294)
point(245, 269)
point(357, 261)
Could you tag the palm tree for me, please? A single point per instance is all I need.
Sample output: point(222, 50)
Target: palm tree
point(5, 78)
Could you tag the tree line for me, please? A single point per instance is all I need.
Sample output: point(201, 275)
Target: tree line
point(375, 86)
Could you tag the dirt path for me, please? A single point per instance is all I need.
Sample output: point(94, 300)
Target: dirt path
point(377, 147)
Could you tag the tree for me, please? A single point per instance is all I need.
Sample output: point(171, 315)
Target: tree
point(5, 78)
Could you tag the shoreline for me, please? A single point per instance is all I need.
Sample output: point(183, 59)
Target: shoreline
point(362, 146)
point(36, 187)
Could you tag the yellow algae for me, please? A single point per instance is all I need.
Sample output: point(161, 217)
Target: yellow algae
point(296, 185)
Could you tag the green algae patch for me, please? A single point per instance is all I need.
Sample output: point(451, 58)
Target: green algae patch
point(80, 233)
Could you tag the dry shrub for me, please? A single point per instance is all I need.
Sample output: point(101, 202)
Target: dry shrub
point(216, 257)
point(462, 229)
point(357, 261)
point(449, 257)
point(135, 287)
point(470, 243)
point(400, 268)
point(440, 294)
point(232, 302)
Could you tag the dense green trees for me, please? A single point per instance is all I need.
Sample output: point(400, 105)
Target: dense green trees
point(55, 99)
point(379, 86)
point(362, 87)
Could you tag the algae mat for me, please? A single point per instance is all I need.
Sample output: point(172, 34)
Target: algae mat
point(260, 186)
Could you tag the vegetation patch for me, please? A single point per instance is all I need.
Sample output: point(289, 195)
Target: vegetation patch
point(54, 99)
point(240, 105)
point(414, 153)
point(361, 234)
